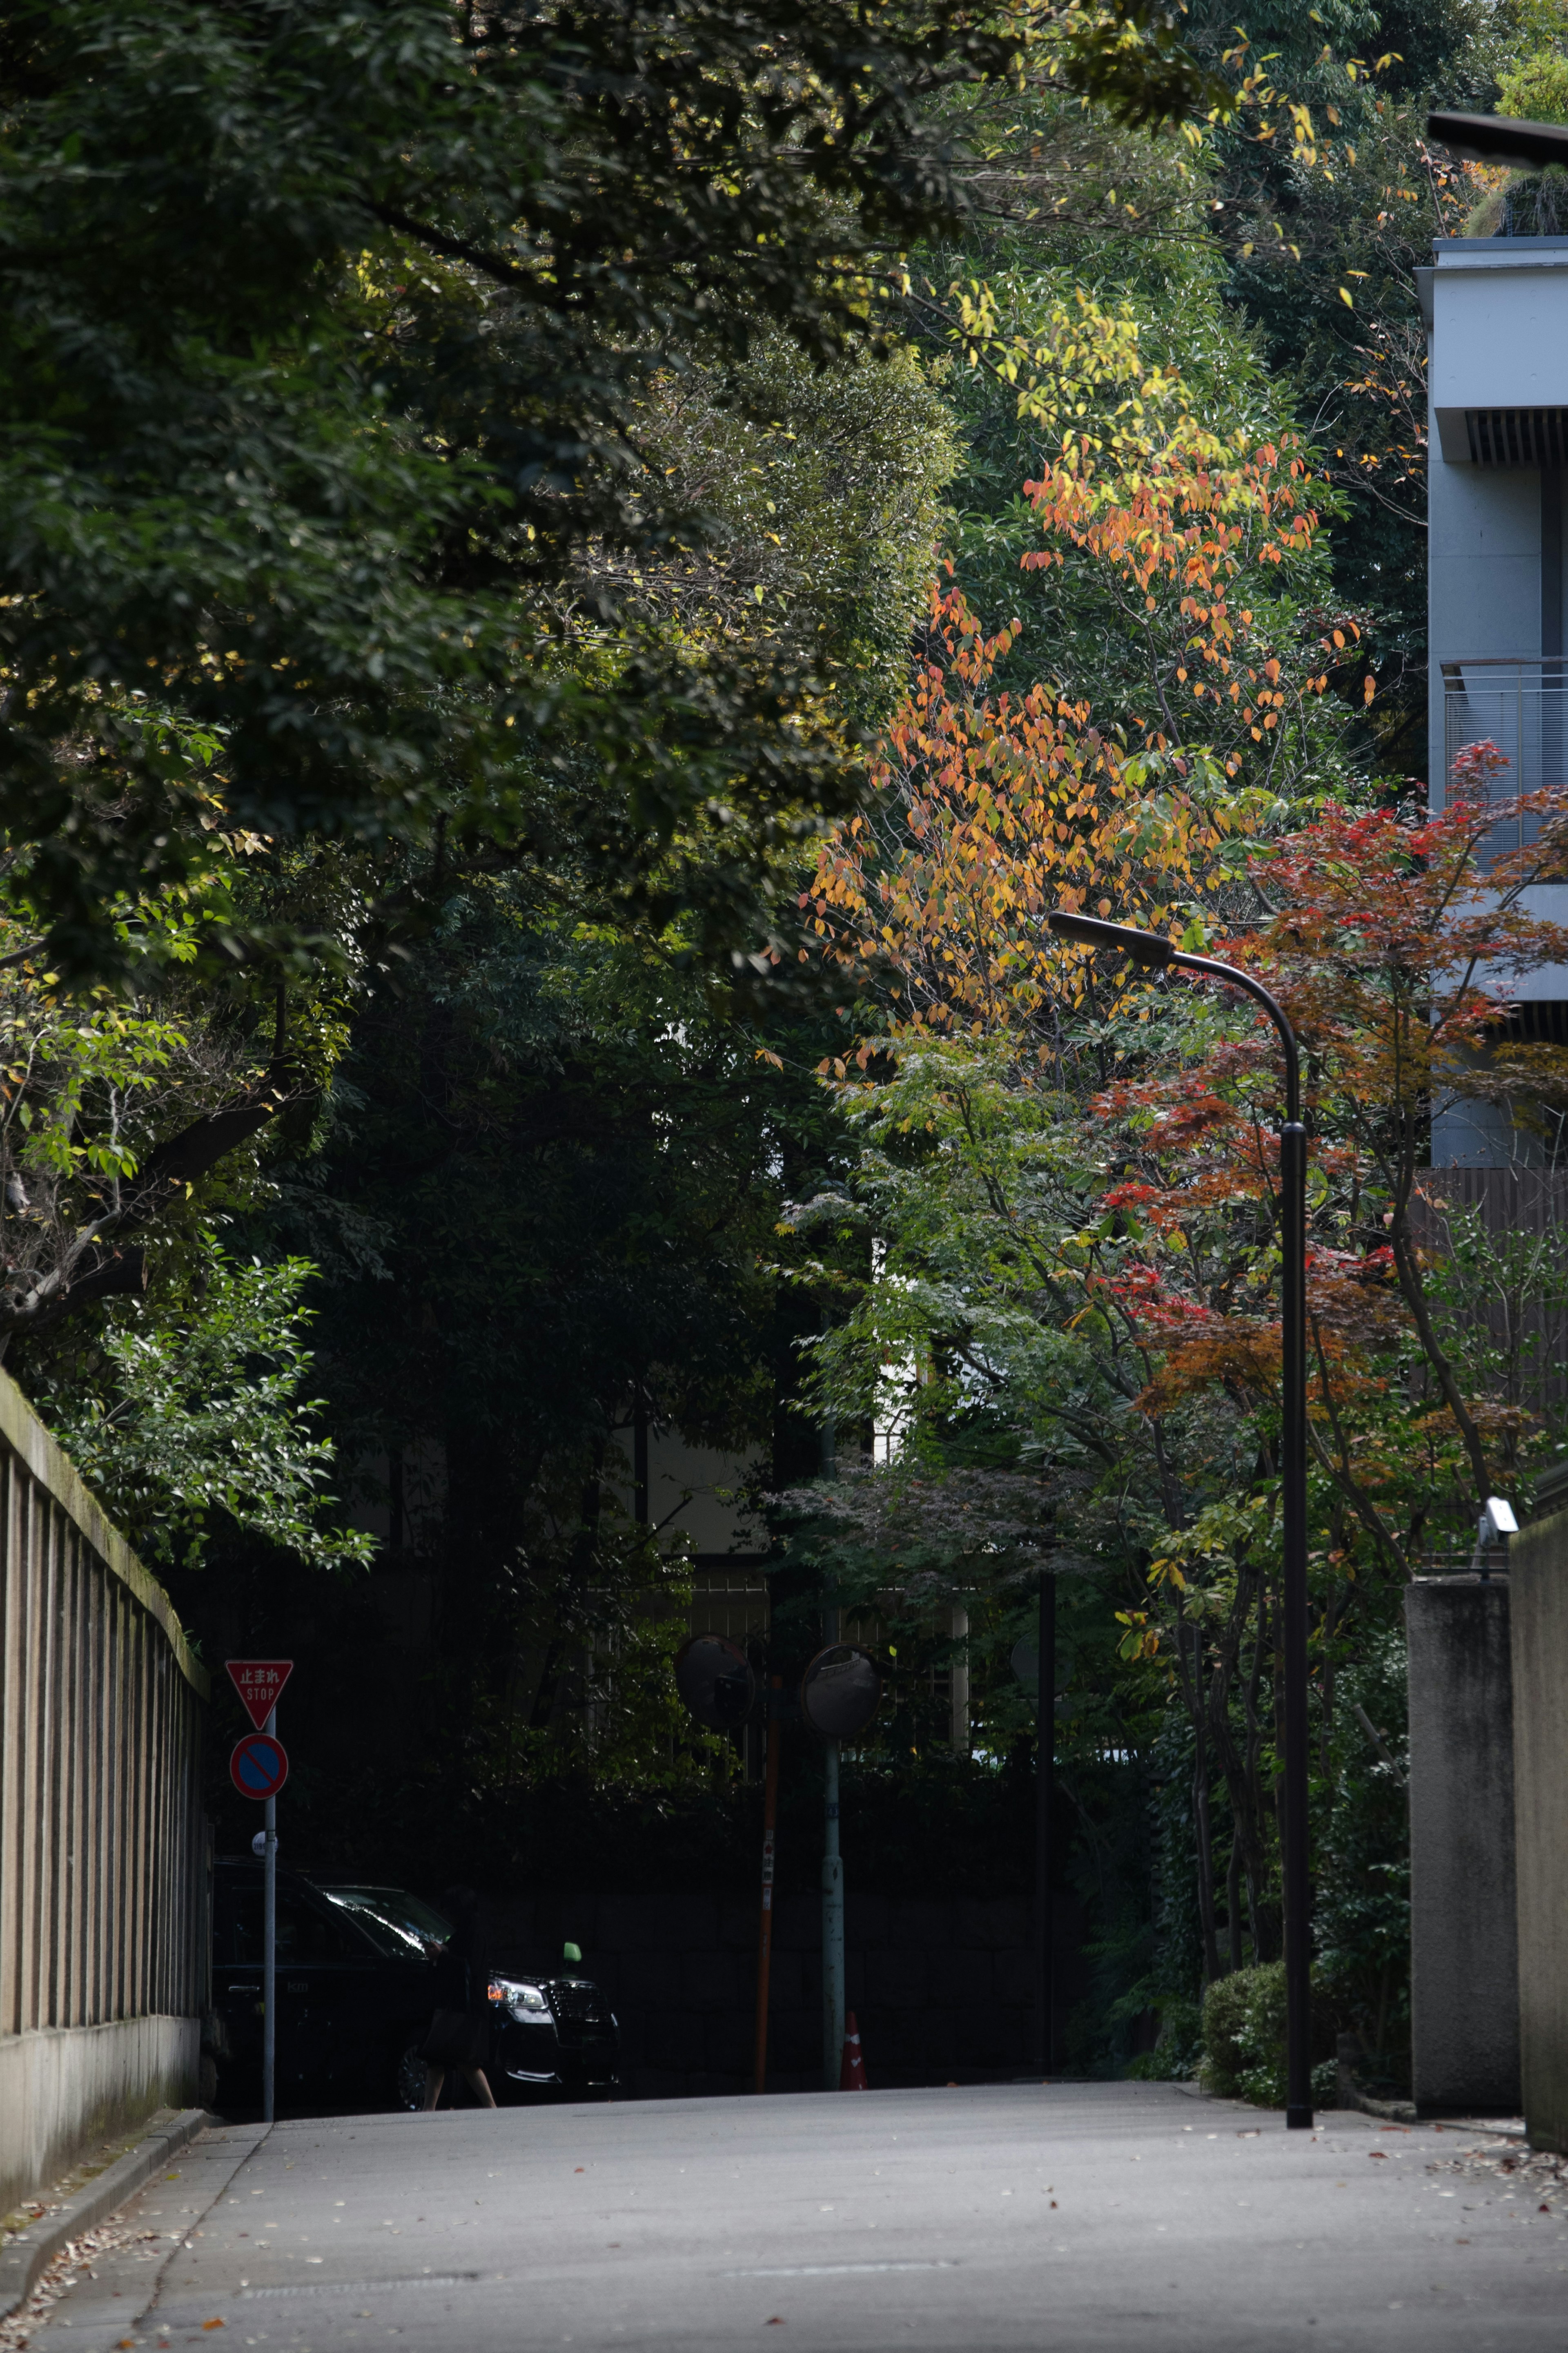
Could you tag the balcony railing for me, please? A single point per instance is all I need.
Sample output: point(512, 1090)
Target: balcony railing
point(1521, 706)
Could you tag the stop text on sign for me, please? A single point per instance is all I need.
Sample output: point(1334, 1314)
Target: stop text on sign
point(259, 1682)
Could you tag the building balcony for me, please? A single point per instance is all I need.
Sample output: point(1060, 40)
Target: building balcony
point(1521, 706)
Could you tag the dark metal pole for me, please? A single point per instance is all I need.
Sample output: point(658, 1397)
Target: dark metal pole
point(1044, 2039)
point(833, 2003)
point(1293, 1450)
point(765, 1924)
point(1295, 1859)
point(270, 1946)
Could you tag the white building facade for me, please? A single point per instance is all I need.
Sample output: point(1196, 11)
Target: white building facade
point(1497, 318)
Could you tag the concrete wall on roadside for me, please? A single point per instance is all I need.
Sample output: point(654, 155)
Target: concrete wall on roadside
point(63, 2086)
point(103, 1940)
point(1464, 1951)
point(1538, 1574)
point(942, 1991)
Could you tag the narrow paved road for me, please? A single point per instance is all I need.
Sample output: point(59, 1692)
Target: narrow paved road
point(1128, 2216)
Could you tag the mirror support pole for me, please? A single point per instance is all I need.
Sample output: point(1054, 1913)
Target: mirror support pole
point(832, 1928)
point(832, 1901)
point(774, 1725)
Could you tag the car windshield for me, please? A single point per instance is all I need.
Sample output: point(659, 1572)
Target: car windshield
point(402, 1926)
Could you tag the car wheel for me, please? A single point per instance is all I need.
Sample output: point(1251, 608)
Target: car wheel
point(408, 2087)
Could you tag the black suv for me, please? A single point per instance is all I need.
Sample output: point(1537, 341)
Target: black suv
point(356, 1989)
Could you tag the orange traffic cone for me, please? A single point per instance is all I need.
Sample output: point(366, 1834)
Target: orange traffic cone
point(852, 2073)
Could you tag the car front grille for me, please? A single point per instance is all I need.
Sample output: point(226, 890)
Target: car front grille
point(577, 2004)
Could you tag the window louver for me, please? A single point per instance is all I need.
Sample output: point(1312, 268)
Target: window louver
point(1537, 1022)
point(1518, 436)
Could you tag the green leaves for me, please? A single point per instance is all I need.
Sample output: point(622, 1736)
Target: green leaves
point(192, 1413)
point(322, 416)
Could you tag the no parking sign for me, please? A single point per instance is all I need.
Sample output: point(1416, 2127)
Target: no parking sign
point(260, 1765)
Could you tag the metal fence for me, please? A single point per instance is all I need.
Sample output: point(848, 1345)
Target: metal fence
point(1522, 707)
point(102, 1833)
point(1523, 1214)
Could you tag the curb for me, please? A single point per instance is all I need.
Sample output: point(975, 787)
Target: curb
point(30, 2250)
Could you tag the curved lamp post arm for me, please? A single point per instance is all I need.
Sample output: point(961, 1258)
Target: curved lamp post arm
point(1151, 949)
point(1271, 1006)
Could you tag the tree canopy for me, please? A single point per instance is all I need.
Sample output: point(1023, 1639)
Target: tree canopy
point(326, 329)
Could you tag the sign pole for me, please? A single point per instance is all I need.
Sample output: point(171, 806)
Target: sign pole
point(269, 1949)
point(258, 1769)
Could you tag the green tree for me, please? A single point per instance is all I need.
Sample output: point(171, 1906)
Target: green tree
point(542, 1205)
point(313, 410)
point(129, 1114)
point(186, 1416)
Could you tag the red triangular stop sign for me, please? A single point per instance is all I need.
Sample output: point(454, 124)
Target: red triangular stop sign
point(259, 1682)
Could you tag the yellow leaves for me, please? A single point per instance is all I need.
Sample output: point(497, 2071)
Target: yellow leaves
point(1060, 370)
point(1346, 298)
point(1141, 1641)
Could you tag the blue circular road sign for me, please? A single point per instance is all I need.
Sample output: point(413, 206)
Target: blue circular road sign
point(260, 1765)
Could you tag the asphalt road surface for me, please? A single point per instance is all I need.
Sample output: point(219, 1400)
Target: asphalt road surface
point(1126, 2216)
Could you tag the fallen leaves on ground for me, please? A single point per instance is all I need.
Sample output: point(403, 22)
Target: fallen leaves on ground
point(60, 2273)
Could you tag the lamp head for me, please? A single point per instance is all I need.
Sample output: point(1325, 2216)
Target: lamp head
point(1498, 1521)
point(1144, 947)
point(1499, 139)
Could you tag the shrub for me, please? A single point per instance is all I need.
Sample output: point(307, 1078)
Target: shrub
point(1176, 2056)
point(1244, 2034)
point(1243, 2037)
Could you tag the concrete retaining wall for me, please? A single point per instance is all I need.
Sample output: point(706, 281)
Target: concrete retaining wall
point(1464, 1948)
point(1538, 1574)
point(67, 2085)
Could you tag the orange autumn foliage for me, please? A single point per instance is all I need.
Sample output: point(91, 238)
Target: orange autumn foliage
point(992, 809)
point(1172, 521)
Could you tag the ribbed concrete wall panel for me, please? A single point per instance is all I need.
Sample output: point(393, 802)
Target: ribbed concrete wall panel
point(102, 1840)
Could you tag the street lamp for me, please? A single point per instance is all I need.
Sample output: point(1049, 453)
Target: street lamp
point(1499, 139)
point(1150, 948)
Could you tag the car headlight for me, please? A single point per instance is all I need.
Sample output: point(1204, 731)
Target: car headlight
point(526, 2002)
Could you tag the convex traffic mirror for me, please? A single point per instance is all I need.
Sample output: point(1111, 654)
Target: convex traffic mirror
point(839, 1692)
point(715, 1680)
